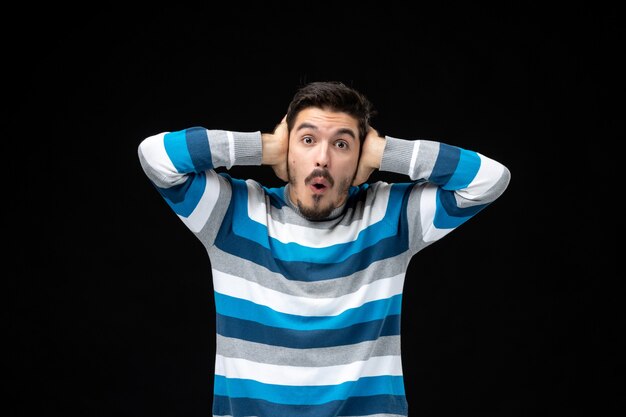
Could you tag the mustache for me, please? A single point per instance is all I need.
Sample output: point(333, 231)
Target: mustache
point(319, 172)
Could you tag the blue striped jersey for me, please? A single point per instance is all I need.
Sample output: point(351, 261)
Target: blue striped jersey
point(308, 312)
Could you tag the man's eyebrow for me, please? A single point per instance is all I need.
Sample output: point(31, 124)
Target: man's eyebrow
point(306, 125)
point(342, 131)
point(346, 131)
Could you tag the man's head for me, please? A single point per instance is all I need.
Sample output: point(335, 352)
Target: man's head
point(333, 96)
point(327, 124)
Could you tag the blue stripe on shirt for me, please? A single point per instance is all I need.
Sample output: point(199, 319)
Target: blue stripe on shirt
point(251, 250)
point(448, 215)
point(247, 310)
point(247, 228)
point(308, 271)
point(445, 165)
point(305, 339)
point(465, 171)
point(199, 149)
point(175, 144)
point(308, 394)
point(184, 198)
point(353, 406)
point(189, 152)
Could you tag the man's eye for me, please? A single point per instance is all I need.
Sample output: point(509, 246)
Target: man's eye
point(341, 144)
point(307, 139)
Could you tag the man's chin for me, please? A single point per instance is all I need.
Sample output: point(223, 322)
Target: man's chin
point(315, 211)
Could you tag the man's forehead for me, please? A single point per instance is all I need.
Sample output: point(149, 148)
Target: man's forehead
point(325, 121)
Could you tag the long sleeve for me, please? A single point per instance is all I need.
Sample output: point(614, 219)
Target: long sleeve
point(451, 184)
point(181, 165)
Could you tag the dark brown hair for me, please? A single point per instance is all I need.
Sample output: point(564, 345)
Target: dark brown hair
point(333, 96)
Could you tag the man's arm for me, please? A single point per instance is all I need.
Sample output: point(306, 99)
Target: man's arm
point(172, 158)
point(451, 184)
point(181, 165)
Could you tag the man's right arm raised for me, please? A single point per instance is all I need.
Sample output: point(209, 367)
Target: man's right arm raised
point(181, 165)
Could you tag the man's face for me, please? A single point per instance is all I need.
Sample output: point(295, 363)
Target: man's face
point(322, 160)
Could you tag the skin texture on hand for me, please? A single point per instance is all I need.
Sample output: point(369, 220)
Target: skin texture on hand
point(275, 147)
point(371, 155)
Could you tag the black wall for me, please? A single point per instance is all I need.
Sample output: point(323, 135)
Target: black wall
point(109, 296)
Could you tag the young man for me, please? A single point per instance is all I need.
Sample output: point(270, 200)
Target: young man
point(308, 277)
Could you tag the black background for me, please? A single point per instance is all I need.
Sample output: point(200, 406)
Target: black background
point(109, 296)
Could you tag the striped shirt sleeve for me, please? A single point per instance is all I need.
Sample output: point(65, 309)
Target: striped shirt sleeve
point(181, 165)
point(451, 184)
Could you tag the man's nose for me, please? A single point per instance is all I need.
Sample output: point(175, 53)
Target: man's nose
point(322, 157)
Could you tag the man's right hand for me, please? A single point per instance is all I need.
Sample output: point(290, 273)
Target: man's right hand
point(371, 155)
point(275, 147)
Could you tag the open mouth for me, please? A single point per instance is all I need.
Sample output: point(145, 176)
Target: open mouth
point(318, 185)
point(319, 181)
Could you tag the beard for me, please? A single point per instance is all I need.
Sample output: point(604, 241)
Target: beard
point(319, 210)
point(316, 212)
